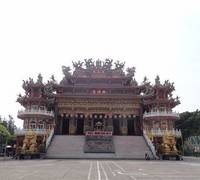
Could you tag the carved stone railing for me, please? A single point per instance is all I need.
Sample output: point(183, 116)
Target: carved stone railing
point(159, 133)
point(150, 144)
point(24, 131)
point(161, 113)
point(49, 139)
point(35, 112)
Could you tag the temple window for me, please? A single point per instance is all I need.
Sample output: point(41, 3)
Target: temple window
point(41, 125)
point(154, 109)
point(156, 124)
point(162, 109)
point(32, 125)
point(164, 124)
point(34, 107)
point(25, 124)
point(42, 108)
point(98, 91)
point(171, 124)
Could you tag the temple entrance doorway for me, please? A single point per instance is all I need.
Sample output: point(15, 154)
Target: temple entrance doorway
point(138, 126)
point(98, 122)
point(65, 126)
point(131, 127)
point(116, 127)
point(80, 126)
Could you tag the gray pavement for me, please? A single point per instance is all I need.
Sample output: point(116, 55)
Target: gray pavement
point(99, 170)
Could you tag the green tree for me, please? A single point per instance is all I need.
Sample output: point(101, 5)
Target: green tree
point(189, 123)
point(11, 125)
point(4, 131)
point(7, 128)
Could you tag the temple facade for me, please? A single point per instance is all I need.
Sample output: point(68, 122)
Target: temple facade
point(98, 96)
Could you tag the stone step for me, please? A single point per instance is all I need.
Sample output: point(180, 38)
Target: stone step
point(126, 147)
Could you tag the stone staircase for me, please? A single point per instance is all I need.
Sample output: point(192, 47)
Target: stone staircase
point(126, 147)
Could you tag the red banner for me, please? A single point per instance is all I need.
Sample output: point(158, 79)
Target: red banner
point(98, 133)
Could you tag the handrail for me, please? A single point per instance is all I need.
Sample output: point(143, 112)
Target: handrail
point(24, 131)
point(160, 132)
point(161, 113)
point(48, 141)
point(35, 111)
point(150, 144)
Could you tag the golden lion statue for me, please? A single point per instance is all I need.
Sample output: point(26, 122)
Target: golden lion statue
point(30, 143)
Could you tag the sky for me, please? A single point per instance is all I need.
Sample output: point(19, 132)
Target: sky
point(157, 37)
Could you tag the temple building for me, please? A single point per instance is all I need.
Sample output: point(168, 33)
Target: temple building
point(98, 96)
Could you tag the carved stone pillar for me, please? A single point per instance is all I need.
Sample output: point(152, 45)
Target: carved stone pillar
point(72, 125)
point(124, 129)
point(87, 124)
point(109, 122)
point(135, 126)
point(60, 123)
point(111, 128)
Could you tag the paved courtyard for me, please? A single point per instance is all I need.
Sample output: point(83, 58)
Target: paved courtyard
point(99, 170)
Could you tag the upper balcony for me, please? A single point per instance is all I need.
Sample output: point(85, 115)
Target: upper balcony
point(25, 131)
point(35, 112)
point(161, 114)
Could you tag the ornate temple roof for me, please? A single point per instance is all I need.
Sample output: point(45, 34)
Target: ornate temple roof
point(102, 75)
point(45, 91)
point(90, 71)
point(98, 68)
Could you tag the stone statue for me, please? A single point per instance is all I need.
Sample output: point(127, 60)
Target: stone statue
point(53, 78)
point(166, 83)
point(107, 65)
point(177, 98)
point(24, 84)
point(30, 143)
point(89, 63)
point(98, 64)
point(119, 66)
point(19, 95)
point(130, 71)
point(49, 88)
point(145, 80)
point(172, 86)
point(134, 82)
point(33, 144)
point(31, 80)
point(169, 145)
point(66, 70)
point(40, 79)
point(77, 65)
point(149, 90)
point(157, 80)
